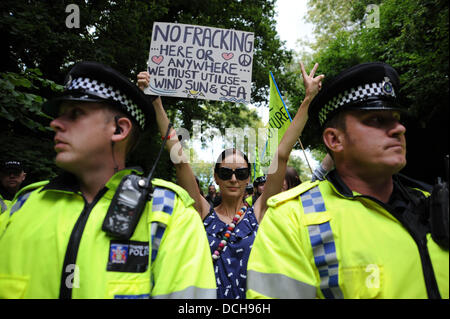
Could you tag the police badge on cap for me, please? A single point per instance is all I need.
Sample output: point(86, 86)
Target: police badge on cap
point(370, 86)
point(95, 82)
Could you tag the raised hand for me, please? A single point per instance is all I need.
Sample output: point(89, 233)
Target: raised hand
point(143, 80)
point(312, 84)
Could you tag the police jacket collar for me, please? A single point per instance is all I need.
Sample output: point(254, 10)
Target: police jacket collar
point(334, 178)
point(67, 182)
point(399, 180)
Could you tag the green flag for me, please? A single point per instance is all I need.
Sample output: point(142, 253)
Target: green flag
point(257, 171)
point(279, 119)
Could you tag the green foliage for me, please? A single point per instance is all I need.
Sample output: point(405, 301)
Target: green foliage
point(300, 166)
point(36, 154)
point(118, 34)
point(17, 103)
point(413, 38)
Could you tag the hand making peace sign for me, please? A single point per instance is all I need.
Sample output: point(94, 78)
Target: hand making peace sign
point(312, 84)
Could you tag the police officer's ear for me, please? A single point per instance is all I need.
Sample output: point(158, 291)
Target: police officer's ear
point(121, 128)
point(333, 139)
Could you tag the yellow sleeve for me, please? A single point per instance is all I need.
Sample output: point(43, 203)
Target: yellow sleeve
point(278, 266)
point(183, 267)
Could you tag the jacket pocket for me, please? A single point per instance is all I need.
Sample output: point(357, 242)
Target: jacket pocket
point(362, 282)
point(13, 287)
point(129, 289)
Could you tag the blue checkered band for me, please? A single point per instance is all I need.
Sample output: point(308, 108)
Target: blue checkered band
point(322, 243)
point(312, 201)
point(163, 201)
point(109, 92)
point(3, 206)
point(384, 88)
point(157, 230)
point(19, 203)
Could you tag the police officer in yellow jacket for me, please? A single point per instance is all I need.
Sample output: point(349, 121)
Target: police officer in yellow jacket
point(73, 237)
point(12, 176)
point(364, 232)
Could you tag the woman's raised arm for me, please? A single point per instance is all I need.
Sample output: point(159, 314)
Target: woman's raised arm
point(278, 165)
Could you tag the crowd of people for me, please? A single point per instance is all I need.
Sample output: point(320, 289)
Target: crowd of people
point(357, 229)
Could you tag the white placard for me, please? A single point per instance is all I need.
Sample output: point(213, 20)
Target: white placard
point(200, 62)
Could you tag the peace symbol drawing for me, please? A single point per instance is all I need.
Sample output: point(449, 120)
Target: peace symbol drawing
point(245, 60)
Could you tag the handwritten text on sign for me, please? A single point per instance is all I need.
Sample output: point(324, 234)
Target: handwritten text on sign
point(200, 62)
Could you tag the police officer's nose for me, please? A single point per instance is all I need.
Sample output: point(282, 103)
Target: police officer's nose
point(57, 124)
point(397, 129)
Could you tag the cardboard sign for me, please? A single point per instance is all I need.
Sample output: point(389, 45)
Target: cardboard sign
point(200, 62)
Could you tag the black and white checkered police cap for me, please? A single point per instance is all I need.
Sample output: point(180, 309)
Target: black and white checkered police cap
point(96, 82)
point(367, 86)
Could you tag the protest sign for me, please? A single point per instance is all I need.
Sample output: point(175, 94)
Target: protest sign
point(200, 62)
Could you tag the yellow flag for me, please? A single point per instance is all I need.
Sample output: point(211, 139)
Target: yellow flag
point(279, 118)
point(257, 171)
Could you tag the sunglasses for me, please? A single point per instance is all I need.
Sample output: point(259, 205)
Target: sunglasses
point(225, 173)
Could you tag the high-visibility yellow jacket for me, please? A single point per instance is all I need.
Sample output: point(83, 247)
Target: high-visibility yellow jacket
point(316, 242)
point(4, 205)
point(52, 245)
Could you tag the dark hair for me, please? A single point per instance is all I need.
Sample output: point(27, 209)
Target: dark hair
point(292, 177)
point(337, 122)
point(228, 152)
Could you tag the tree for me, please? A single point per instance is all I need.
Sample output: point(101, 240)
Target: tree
point(300, 166)
point(413, 38)
point(118, 34)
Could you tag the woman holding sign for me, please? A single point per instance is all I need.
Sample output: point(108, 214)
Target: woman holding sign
point(231, 226)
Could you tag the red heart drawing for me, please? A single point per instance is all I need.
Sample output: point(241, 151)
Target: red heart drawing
point(157, 59)
point(227, 56)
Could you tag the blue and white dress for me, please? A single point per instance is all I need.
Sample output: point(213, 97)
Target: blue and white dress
point(231, 268)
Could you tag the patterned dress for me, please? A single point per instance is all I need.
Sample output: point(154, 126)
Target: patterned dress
point(231, 268)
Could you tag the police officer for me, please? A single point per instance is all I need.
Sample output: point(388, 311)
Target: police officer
point(258, 186)
point(55, 244)
point(12, 176)
point(362, 232)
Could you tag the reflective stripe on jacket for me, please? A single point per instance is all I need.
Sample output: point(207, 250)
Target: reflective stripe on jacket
point(316, 243)
point(34, 244)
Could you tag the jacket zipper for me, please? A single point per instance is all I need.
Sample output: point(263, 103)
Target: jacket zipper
point(427, 266)
point(65, 289)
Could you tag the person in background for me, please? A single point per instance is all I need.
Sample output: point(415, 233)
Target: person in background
point(291, 179)
point(12, 175)
point(258, 189)
point(322, 170)
point(248, 191)
point(213, 197)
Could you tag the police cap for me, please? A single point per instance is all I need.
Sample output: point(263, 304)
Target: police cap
point(367, 86)
point(259, 180)
point(96, 82)
point(11, 166)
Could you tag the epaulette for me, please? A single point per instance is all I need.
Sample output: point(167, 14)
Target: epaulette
point(181, 192)
point(280, 198)
point(23, 194)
